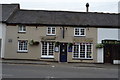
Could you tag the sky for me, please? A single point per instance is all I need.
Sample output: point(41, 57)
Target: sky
point(105, 6)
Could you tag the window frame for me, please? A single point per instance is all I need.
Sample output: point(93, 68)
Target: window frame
point(22, 28)
point(80, 32)
point(51, 31)
point(24, 51)
point(85, 51)
point(48, 47)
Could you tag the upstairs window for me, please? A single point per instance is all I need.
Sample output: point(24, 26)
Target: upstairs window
point(51, 31)
point(79, 31)
point(22, 28)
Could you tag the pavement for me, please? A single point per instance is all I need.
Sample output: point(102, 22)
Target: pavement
point(37, 62)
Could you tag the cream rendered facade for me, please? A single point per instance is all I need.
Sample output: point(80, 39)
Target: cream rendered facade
point(38, 33)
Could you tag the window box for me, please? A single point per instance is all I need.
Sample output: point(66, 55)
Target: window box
point(57, 44)
point(32, 42)
point(100, 45)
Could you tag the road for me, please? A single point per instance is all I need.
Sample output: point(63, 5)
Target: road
point(56, 71)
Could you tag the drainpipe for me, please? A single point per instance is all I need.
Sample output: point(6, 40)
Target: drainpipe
point(63, 32)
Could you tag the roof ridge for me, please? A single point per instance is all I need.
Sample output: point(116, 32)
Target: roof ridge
point(11, 4)
point(70, 11)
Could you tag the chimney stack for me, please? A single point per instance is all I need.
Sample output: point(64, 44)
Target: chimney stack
point(87, 7)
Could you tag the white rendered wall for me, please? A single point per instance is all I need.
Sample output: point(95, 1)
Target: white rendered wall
point(105, 33)
point(2, 37)
point(0, 30)
point(100, 55)
point(119, 34)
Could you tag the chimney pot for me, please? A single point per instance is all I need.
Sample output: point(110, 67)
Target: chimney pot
point(87, 6)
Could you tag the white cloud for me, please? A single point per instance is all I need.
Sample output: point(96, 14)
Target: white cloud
point(55, 1)
point(71, 5)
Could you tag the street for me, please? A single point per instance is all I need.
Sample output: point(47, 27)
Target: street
point(56, 71)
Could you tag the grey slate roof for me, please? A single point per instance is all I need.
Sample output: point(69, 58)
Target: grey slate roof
point(8, 10)
point(13, 15)
point(64, 18)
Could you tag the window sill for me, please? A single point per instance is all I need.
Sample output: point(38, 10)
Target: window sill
point(22, 32)
point(80, 36)
point(47, 57)
point(51, 34)
point(82, 59)
point(22, 51)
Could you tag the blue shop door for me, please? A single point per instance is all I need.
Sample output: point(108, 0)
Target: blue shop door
point(63, 52)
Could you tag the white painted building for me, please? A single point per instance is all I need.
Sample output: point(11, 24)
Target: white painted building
point(105, 34)
point(6, 10)
point(0, 36)
point(2, 39)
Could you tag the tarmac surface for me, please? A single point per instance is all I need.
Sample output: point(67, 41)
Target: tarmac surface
point(36, 62)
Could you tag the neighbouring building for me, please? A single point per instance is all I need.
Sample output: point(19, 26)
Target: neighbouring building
point(6, 11)
point(62, 36)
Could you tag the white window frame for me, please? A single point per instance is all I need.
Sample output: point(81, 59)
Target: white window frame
point(46, 56)
point(22, 28)
point(23, 46)
point(80, 31)
point(51, 32)
point(85, 52)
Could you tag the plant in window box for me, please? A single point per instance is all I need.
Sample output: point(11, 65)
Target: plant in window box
point(36, 43)
point(70, 47)
point(32, 42)
point(57, 46)
point(100, 45)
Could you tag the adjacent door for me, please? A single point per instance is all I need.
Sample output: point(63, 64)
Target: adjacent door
point(111, 52)
point(63, 52)
point(107, 53)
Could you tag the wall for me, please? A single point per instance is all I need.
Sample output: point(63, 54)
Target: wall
point(0, 30)
point(105, 33)
point(119, 34)
point(37, 33)
point(100, 56)
point(2, 36)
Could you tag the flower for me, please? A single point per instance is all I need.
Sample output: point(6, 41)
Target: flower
point(100, 45)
